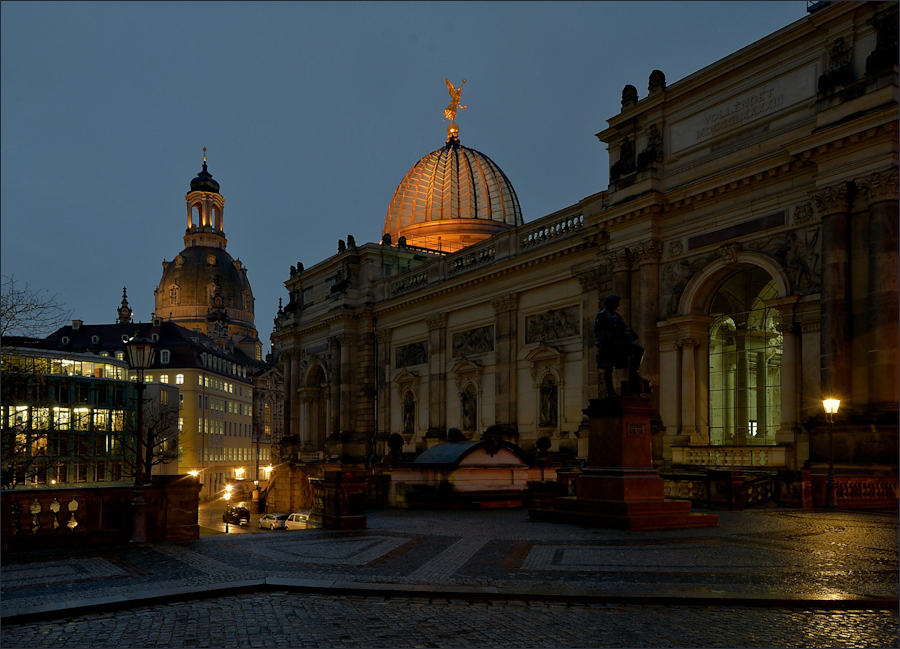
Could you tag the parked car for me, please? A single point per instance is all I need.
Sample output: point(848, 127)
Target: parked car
point(236, 515)
point(273, 521)
point(297, 521)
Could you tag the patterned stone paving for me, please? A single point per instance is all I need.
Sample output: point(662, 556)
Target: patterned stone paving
point(763, 553)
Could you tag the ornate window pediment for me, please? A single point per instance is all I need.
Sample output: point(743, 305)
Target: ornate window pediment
point(467, 371)
point(405, 381)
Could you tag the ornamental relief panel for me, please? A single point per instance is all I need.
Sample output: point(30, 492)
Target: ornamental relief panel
point(473, 341)
point(675, 278)
point(412, 354)
point(552, 324)
point(796, 251)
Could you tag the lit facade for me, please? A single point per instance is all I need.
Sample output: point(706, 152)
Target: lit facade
point(749, 227)
point(68, 418)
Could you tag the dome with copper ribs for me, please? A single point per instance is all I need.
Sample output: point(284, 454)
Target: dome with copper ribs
point(452, 198)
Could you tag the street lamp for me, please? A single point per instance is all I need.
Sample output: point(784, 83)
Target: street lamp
point(140, 358)
point(227, 498)
point(831, 407)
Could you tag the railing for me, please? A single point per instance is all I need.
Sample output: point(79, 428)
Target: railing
point(471, 259)
point(311, 456)
point(409, 283)
point(858, 491)
point(721, 489)
point(77, 517)
point(559, 228)
point(768, 457)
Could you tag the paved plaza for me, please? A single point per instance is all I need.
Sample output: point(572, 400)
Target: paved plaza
point(774, 577)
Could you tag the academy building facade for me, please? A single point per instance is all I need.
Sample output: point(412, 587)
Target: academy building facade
point(750, 227)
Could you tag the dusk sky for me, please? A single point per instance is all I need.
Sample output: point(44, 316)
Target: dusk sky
point(311, 113)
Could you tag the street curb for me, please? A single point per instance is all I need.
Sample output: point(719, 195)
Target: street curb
point(101, 605)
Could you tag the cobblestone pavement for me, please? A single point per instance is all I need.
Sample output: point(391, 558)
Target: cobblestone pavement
point(757, 567)
point(299, 620)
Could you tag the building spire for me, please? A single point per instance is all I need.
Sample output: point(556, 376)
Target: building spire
point(204, 156)
point(124, 311)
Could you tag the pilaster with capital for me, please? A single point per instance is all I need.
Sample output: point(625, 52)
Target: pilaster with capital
point(437, 379)
point(791, 371)
point(648, 257)
point(881, 193)
point(382, 378)
point(833, 204)
point(590, 304)
point(688, 347)
point(619, 262)
point(506, 325)
point(336, 420)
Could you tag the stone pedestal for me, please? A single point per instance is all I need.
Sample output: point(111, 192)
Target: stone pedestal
point(620, 488)
point(340, 500)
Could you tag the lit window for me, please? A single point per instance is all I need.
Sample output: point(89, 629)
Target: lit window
point(163, 378)
point(200, 379)
point(164, 397)
point(181, 424)
point(179, 379)
point(148, 378)
point(120, 356)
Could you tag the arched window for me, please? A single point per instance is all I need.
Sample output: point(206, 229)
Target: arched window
point(744, 362)
point(179, 379)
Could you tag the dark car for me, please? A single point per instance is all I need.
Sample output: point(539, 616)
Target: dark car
point(236, 516)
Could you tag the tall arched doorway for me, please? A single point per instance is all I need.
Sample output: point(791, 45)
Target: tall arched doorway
point(745, 356)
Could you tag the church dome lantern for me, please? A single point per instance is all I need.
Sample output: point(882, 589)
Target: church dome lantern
point(453, 197)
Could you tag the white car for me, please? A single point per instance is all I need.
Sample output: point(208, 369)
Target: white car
point(272, 521)
point(297, 521)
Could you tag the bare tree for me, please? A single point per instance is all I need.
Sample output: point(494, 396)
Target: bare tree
point(26, 312)
point(24, 438)
point(161, 438)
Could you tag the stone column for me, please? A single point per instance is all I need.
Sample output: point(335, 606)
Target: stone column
point(620, 263)
point(762, 369)
point(506, 329)
point(834, 204)
point(365, 376)
point(880, 190)
point(647, 331)
point(289, 390)
point(742, 387)
point(382, 382)
point(688, 387)
point(437, 381)
point(334, 425)
point(590, 305)
point(347, 405)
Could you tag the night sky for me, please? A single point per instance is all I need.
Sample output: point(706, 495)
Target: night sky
point(311, 115)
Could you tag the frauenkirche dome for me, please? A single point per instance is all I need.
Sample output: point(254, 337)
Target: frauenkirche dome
point(452, 198)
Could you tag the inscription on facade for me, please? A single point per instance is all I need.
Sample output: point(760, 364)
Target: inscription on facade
point(553, 324)
point(412, 354)
point(637, 429)
point(745, 109)
point(473, 341)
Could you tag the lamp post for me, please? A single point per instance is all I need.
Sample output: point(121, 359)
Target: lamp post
point(227, 499)
point(831, 407)
point(140, 357)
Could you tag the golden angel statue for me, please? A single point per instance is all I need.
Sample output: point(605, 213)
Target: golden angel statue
point(450, 112)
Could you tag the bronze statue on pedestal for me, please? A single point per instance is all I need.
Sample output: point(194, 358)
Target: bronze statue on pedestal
point(616, 348)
